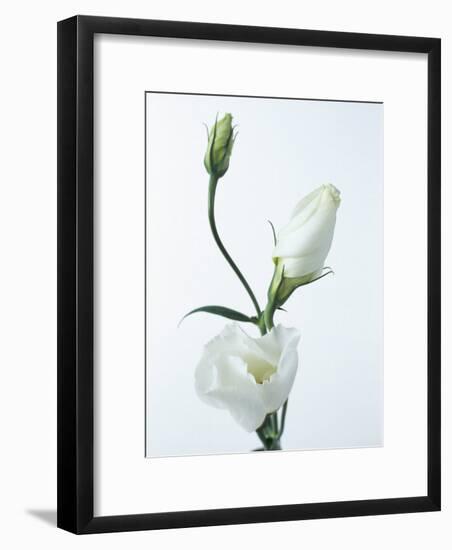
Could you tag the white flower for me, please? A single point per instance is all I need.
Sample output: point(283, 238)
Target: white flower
point(250, 377)
point(303, 244)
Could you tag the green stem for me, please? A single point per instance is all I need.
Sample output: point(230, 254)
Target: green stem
point(213, 226)
point(269, 434)
point(262, 438)
point(274, 424)
point(283, 417)
point(272, 304)
point(268, 316)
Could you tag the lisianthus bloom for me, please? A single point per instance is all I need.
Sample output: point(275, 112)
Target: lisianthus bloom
point(303, 244)
point(250, 377)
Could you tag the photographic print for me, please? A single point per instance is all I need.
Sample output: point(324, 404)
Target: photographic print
point(264, 274)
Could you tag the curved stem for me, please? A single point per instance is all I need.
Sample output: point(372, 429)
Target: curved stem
point(212, 190)
point(283, 418)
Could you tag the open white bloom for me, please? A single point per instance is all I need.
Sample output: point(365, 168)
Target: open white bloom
point(250, 377)
point(303, 244)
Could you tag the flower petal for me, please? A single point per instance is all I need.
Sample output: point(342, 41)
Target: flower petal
point(223, 381)
point(276, 390)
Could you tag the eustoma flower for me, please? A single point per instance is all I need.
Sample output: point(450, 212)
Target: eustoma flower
point(303, 244)
point(250, 377)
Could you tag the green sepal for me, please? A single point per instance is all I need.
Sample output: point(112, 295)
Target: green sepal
point(281, 288)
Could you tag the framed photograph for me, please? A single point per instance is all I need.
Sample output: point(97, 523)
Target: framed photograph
point(248, 274)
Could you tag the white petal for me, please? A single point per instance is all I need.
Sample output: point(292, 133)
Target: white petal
point(304, 238)
point(246, 408)
point(231, 340)
point(276, 390)
point(304, 265)
point(304, 209)
point(223, 381)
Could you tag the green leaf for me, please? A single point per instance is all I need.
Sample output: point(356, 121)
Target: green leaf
point(223, 312)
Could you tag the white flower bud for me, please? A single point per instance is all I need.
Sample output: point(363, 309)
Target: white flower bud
point(303, 244)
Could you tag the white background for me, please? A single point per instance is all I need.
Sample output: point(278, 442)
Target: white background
point(284, 150)
point(28, 295)
point(125, 483)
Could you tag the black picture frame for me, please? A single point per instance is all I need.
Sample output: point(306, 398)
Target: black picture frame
point(75, 274)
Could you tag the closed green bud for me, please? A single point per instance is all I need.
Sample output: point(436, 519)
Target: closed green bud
point(219, 147)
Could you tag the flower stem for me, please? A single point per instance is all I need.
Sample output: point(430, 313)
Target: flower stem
point(213, 226)
point(283, 419)
point(268, 316)
point(269, 434)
